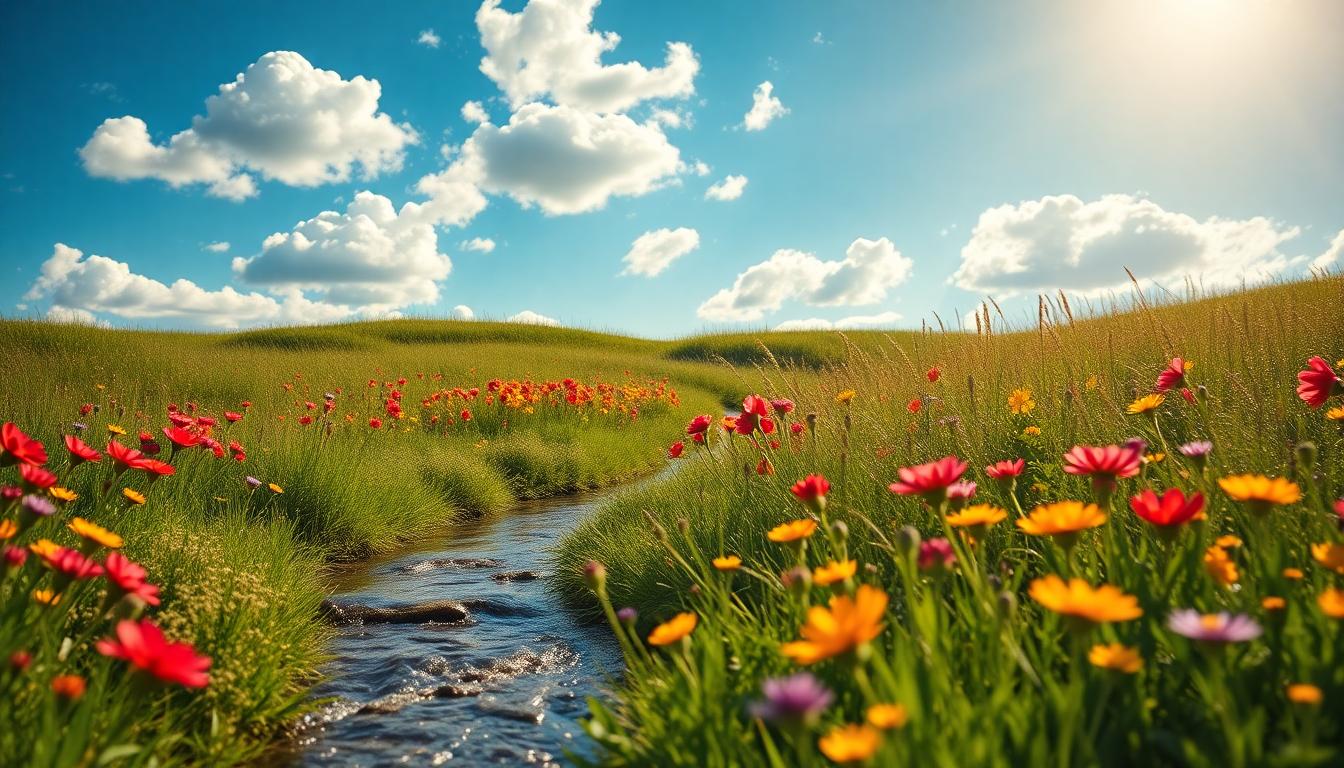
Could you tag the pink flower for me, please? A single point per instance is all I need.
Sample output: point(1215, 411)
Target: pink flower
point(929, 480)
point(1172, 376)
point(1005, 470)
point(36, 477)
point(782, 406)
point(143, 645)
point(71, 563)
point(675, 451)
point(129, 578)
point(1103, 463)
point(1318, 382)
point(936, 553)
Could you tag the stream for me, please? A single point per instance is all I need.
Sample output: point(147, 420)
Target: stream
point(457, 652)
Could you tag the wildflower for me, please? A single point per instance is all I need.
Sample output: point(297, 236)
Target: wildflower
point(1173, 375)
point(699, 425)
point(848, 624)
point(796, 428)
point(1305, 694)
point(1335, 414)
point(96, 535)
point(1117, 657)
point(729, 424)
point(124, 458)
point(275, 488)
point(47, 596)
point(627, 616)
point(1062, 519)
point(36, 478)
point(233, 417)
point(676, 449)
point(1260, 492)
point(375, 423)
point(1091, 382)
point(1219, 565)
point(929, 480)
point(1172, 510)
point(977, 519)
point(1196, 449)
point(1273, 603)
point(14, 557)
point(845, 397)
point(1213, 627)
point(1103, 463)
point(782, 406)
point(68, 687)
point(850, 743)
point(156, 469)
point(764, 467)
point(727, 563)
point(914, 405)
point(34, 508)
point(674, 629)
point(1227, 541)
point(1187, 395)
point(1145, 404)
point(1079, 601)
point(812, 490)
point(1330, 555)
point(133, 496)
point(62, 494)
point(887, 716)
point(1293, 574)
point(116, 429)
point(1020, 402)
point(1318, 382)
point(834, 572)
point(8, 529)
point(305, 420)
point(252, 482)
point(144, 646)
point(792, 531)
point(797, 699)
point(18, 448)
point(797, 580)
point(935, 554)
point(960, 492)
point(464, 416)
point(1154, 458)
point(1005, 470)
point(128, 578)
point(70, 563)
point(80, 451)
point(1032, 431)
point(1332, 602)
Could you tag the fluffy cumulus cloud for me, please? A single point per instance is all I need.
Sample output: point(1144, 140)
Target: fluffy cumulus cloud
point(1064, 242)
point(1332, 255)
point(880, 320)
point(79, 286)
point(221, 246)
point(765, 107)
point(463, 312)
point(372, 257)
point(652, 252)
point(528, 317)
point(478, 244)
point(474, 112)
point(730, 188)
point(870, 269)
point(550, 49)
point(429, 38)
point(282, 118)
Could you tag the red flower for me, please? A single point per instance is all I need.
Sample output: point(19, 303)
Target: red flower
point(180, 419)
point(755, 405)
point(1104, 463)
point(126, 458)
point(376, 423)
point(929, 480)
point(80, 451)
point(796, 428)
point(812, 490)
point(206, 421)
point(465, 415)
point(233, 417)
point(1316, 384)
point(676, 450)
point(1005, 470)
point(310, 405)
point(699, 425)
point(246, 404)
point(936, 553)
point(143, 645)
point(129, 578)
point(934, 374)
point(71, 563)
point(181, 438)
point(1173, 376)
point(698, 437)
point(36, 477)
point(155, 468)
point(19, 448)
point(782, 406)
point(86, 409)
point(1173, 509)
point(214, 445)
point(764, 467)
point(914, 405)
point(305, 420)
point(1188, 395)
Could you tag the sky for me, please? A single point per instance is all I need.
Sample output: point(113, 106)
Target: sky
point(657, 169)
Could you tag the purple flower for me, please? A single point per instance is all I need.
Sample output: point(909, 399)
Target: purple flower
point(1213, 627)
point(961, 491)
point(80, 426)
point(253, 482)
point(799, 698)
point(1196, 449)
point(38, 506)
point(627, 615)
point(1137, 445)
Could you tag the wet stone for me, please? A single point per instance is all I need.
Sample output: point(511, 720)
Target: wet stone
point(516, 576)
point(452, 562)
point(437, 611)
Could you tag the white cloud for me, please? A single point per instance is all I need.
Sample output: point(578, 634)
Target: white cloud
point(700, 168)
point(1062, 242)
point(1332, 254)
point(478, 244)
point(474, 112)
point(218, 247)
point(528, 317)
point(652, 252)
point(463, 312)
point(282, 118)
point(882, 319)
point(69, 316)
point(869, 270)
point(765, 107)
point(729, 189)
point(78, 286)
point(370, 257)
point(549, 48)
point(819, 39)
point(429, 39)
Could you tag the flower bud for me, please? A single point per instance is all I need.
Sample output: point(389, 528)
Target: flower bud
point(907, 540)
point(840, 530)
point(628, 615)
point(1006, 605)
point(595, 575)
point(1306, 455)
point(797, 580)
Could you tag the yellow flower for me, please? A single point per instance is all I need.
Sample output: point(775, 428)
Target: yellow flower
point(1154, 458)
point(1305, 693)
point(977, 518)
point(1273, 603)
point(1078, 600)
point(850, 743)
point(1145, 404)
point(840, 628)
point(846, 396)
point(834, 572)
point(95, 533)
point(1329, 555)
point(1220, 566)
point(673, 629)
point(46, 596)
point(1062, 518)
point(728, 563)
point(1336, 413)
point(133, 496)
point(1020, 402)
point(1227, 541)
point(1332, 602)
point(1091, 382)
point(1117, 657)
point(62, 494)
point(1032, 431)
point(888, 716)
point(792, 531)
point(44, 548)
point(8, 529)
point(1260, 492)
point(1293, 574)
point(275, 488)
point(116, 429)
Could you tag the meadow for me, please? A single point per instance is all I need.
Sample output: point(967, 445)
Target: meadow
point(176, 621)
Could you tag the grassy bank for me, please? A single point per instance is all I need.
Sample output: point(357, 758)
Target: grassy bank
point(944, 650)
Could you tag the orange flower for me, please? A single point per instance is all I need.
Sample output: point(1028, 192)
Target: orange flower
point(834, 572)
point(977, 518)
point(850, 743)
point(1273, 603)
point(887, 716)
point(1293, 574)
point(8, 529)
point(95, 534)
point(1332, 602)
point(1220, 566)
point(673, 629)
point(1117, 657)
point(728, 563)
point(1078, 600)
point(1260, 492)
point(792, 531)
point(1145, 404)
point(132, 496)
point(1063, 519)
point(1330, 555)
point(68, 687)
point(1305, 693)
point(847, 624)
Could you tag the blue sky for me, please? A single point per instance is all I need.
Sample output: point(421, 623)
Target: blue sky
point(921, 157)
